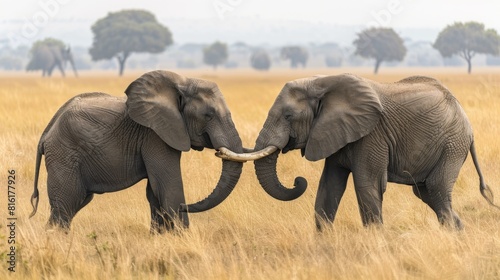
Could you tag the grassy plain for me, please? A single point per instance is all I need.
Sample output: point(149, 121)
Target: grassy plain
point(250, 235)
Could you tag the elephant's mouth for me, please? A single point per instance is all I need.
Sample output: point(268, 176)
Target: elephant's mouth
point(197, 148)
point(290, 145)
point(208, 142)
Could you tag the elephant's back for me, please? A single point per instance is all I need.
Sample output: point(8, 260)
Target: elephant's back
point(97, 101)
point(88, 115)
point(418, 96)
point(423, 96)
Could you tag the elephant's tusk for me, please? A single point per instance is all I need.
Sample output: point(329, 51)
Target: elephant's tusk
point(227, 154)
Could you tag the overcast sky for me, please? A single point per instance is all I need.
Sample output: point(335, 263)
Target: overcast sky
point(32, 19)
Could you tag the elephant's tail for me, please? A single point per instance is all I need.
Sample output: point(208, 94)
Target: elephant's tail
point(34, 196)
point(485, 190)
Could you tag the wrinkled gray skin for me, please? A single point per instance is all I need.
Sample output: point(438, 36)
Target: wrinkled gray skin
point(411, 132)
point(97, 143)
point(47, 58)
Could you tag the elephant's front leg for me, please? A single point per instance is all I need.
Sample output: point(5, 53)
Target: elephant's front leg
point(369, 193)
point(164, 200)
point(157, 220)
point(165, 191)
point(330, 191)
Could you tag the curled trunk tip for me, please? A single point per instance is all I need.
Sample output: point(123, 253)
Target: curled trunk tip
point(301, 184)
point(265, 170)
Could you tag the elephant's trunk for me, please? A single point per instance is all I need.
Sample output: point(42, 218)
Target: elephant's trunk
point(265, 168)
point(230, 175)
point(231, 171)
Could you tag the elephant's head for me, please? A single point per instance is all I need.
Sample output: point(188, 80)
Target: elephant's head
point(187, 113)
point(319, 116)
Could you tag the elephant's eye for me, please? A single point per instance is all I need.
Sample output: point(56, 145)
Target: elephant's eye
point(209, 115)
point(288, 116)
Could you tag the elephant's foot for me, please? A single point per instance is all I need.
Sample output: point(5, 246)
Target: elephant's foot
point(62, 225)
point(155, 228)
point(324, 221)
point(160, 225)
point(372, 219)
point(451, 221)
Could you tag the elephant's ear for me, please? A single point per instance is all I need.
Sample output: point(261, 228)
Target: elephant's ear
point(154, 101)
point(348, 110)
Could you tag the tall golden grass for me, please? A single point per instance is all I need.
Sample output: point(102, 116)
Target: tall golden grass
point(250, 235)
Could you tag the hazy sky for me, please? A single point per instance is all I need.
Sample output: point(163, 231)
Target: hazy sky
point(31, 19)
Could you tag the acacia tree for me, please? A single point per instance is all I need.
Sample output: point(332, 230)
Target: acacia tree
point(381, 44)
point(121, 33)
point(215, 54)
point(467, 39)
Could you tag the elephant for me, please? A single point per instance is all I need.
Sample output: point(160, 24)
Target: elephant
point(296, 54)
point(411, 132)
point(48, 57)
point(97, 143)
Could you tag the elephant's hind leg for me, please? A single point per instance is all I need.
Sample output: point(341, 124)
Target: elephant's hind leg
point(439, 200)
point(64, 209)
point(439, 186)
point(330, 191)
point(66, 198)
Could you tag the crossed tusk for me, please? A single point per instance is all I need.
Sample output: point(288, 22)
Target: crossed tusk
point(227, 154)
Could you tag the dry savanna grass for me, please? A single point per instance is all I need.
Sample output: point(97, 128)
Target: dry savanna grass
point(250, 235)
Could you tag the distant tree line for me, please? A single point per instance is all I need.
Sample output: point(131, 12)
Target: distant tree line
point(119, 34)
